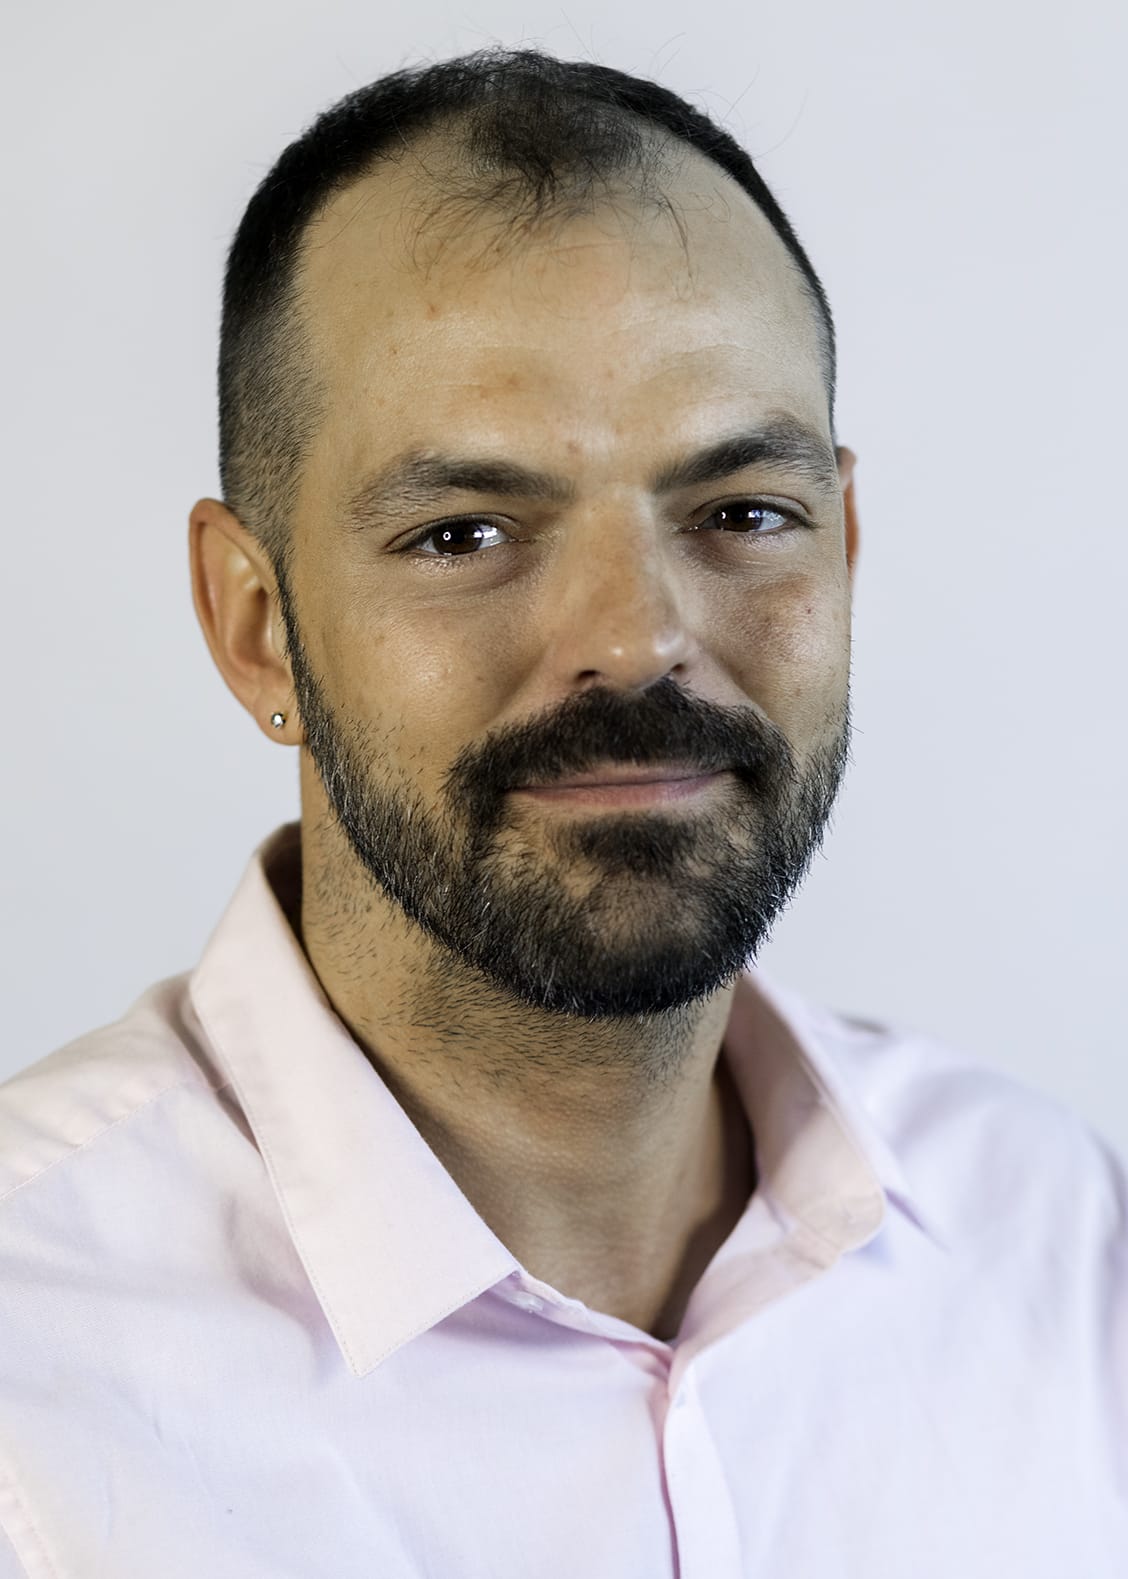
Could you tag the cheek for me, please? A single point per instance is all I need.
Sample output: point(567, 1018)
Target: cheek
point(428, 680)
point(795, 648)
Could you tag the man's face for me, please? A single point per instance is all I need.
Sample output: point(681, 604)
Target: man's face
point(508, 574)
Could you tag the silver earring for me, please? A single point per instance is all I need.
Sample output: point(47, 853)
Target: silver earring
point(278, 719)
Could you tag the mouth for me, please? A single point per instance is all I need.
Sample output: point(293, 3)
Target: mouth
point(625, 786)
point(625, 773)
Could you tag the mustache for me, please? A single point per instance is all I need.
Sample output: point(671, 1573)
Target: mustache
point(663, 724)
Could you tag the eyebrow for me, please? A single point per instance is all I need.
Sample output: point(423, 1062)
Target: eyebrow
point(421, 478)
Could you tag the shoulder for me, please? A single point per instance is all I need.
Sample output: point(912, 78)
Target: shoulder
point(928, 1092)
point(89, 1094)
point(988, 1153)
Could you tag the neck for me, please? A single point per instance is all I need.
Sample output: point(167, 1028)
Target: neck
point(611, 1158)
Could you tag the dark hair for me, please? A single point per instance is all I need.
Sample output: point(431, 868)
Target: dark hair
point(534, 135)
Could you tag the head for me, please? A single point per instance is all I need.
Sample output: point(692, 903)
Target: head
point(529, 467)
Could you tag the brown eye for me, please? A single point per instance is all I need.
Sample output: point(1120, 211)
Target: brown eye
point(457, 539)
point(748, 516)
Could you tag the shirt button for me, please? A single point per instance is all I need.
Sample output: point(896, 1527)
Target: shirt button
point(528, 1302)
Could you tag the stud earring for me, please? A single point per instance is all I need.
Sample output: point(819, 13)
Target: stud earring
point(278, 719)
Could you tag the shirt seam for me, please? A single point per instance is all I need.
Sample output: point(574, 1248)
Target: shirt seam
point(74, 1151)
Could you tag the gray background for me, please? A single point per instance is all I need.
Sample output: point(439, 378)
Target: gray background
point(955, 171)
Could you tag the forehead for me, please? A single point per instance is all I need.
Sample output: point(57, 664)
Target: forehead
point(424, 315)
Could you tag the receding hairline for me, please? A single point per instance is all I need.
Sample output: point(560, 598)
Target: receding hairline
point(438, 191)
point(433, 186)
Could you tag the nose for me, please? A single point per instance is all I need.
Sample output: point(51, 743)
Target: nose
point(619, 614)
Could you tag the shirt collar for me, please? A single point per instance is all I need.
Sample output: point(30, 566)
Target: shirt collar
point(390, 1243)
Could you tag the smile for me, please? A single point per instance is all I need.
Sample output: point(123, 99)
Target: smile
point(644, 788)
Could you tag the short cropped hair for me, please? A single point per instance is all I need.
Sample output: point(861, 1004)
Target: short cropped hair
point(533, 135)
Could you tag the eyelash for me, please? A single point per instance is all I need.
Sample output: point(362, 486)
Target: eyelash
point(791, 518)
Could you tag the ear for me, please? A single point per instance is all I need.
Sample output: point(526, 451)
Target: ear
point(847, 460)
point(236, 601)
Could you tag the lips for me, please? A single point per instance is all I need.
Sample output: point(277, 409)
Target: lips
point(611, 776)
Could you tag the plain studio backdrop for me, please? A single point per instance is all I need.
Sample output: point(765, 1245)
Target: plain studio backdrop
point(956, 172)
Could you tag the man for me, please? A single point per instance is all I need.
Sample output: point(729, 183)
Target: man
point(476, 1207)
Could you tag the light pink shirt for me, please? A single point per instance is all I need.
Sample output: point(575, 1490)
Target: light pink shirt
point(250, 1328)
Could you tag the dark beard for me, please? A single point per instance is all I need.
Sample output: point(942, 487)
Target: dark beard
point(600, 917)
